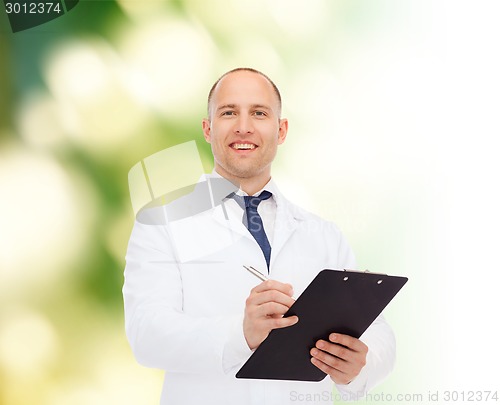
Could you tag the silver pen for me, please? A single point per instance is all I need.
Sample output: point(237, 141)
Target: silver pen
point(256, 273)
point(259, 275)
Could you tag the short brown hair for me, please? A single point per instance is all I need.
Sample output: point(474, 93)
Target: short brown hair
point(245, 69)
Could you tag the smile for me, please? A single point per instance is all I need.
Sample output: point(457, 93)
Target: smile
point(243, 146)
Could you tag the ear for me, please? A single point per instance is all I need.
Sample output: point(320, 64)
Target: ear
point(282, 131)
point(206, 129)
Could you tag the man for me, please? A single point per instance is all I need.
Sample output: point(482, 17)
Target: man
point(192, 310)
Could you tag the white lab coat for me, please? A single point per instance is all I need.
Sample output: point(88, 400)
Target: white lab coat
point(185, 291)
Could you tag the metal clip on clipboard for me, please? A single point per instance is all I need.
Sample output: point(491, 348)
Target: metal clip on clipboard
point(365, 271)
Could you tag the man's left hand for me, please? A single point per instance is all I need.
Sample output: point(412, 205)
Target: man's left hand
point(342, 357)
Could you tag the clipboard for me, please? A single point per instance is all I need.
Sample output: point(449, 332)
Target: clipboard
point(339, 301)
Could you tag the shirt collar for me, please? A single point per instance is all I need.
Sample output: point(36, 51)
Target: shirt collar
point(270, 186)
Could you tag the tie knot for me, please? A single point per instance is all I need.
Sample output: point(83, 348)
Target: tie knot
point(253, 202)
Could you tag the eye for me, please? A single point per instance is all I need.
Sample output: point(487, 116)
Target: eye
point(227, 113)
point(260, 113)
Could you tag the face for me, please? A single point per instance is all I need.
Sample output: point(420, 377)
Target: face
point(244, 127)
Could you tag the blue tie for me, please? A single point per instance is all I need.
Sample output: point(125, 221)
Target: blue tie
point(255, 225)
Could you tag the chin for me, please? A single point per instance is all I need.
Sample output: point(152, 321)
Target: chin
point(243, 174)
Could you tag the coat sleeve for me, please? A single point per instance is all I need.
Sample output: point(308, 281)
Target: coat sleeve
point(379, 338)
point(160, 334)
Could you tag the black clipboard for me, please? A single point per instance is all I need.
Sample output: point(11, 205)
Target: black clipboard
point(340, 301)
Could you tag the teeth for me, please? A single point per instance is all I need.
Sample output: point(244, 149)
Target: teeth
point(243, 146)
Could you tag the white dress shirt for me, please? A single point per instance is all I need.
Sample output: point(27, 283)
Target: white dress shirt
point(266, 208)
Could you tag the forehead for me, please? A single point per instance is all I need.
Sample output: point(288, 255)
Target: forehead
point(245, 87)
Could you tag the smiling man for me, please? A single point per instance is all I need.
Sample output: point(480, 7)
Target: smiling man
point(200, 316)
point(244, 128)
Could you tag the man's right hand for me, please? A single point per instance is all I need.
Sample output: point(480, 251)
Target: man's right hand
point(264, 311)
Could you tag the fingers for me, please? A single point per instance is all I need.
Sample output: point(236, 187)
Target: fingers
point(286, 289)
point(270, 298)
point(267, 309)
point(348, 342)
point(342, 357)
point(277, 323)
point(336, 375)
point(264, 310)
point(279, 297)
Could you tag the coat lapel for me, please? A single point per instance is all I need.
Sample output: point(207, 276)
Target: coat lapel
point(226, 218)
point(285, 225)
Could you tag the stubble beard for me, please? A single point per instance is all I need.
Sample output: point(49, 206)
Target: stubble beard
point(240, 171)
point(237, 169)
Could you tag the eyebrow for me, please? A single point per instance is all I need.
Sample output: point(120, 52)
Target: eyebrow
point(252, 107)
point(260, 106)
point(222, 107)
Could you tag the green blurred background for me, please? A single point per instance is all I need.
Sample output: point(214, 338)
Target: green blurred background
point(393, 108)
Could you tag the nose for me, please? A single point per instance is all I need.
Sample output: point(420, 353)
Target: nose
point(243, 125)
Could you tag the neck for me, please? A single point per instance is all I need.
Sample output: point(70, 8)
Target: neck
point(248, 185)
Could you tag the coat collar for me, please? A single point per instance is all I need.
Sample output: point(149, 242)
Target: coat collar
point(287, 217)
